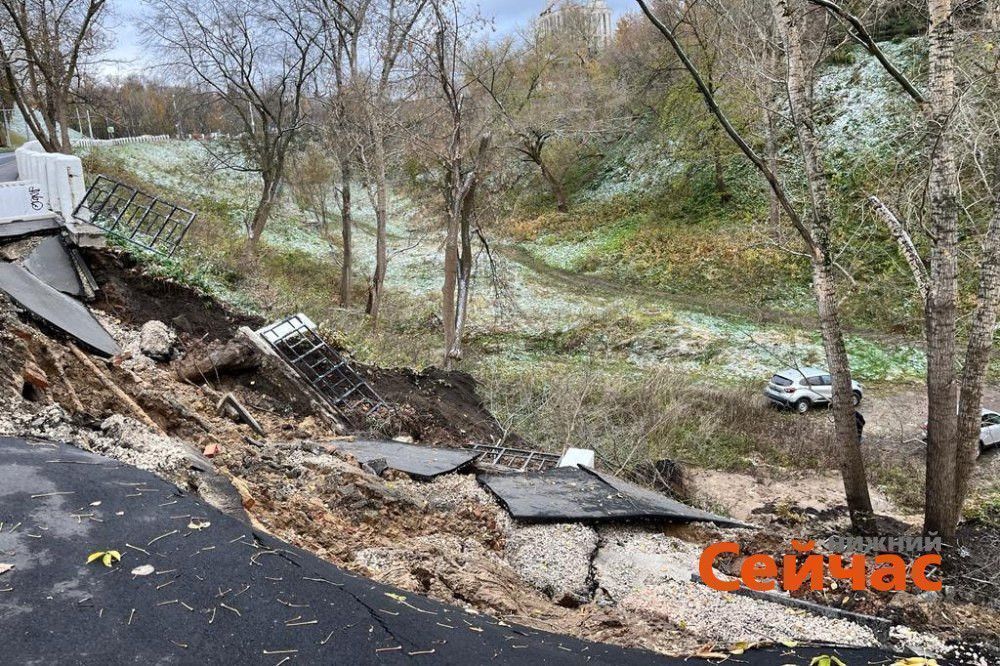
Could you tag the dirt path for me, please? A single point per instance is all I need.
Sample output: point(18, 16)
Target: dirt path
point(900, 411)
point(594, 285)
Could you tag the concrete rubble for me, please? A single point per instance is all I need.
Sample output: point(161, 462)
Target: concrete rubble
point(157, 341)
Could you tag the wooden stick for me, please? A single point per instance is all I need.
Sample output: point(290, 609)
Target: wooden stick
point(115, 389)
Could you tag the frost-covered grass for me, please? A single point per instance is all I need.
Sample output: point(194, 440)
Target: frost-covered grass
point(653, 216)
point(516, 315)
point(644, 370)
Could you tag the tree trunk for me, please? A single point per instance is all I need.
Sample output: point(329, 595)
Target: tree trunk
point(847, 442)
point(941, 311)
point(721, 189)
point(852, 466)
point(977, 360)
point(346, 229)
point(62, 123)
point(262, 214)
point(464, 269)
point(770, 140)
point(450, 287)
point(381, 235)
point(558, 191)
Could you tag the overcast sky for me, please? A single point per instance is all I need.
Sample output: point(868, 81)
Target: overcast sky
point(508, 15)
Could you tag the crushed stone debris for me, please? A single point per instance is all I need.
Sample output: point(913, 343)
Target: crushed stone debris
point(554, 559)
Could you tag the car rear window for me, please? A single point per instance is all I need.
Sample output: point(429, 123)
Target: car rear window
point(778, 380)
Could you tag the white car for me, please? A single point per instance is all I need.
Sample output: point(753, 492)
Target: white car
point(989, 430)
point(802, 388)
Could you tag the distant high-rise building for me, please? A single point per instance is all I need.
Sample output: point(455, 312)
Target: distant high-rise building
point(590, 17)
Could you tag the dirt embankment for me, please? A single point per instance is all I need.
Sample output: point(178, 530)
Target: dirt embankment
point(448, 540)
point(134, 297)
point(433, 406)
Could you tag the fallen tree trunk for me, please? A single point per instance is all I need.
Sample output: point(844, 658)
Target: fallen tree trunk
point(211, 363)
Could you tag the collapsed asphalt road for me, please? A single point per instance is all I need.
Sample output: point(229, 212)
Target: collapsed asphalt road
point(215, 592)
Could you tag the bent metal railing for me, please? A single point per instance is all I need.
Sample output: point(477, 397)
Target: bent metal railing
point(296, 341)
point(134, 216)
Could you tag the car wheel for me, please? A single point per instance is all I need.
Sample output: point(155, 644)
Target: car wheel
point(857, 398)
point(802, 406)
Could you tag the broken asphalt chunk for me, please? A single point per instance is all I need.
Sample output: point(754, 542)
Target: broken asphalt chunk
point(568, 494)
point(51, 263)
point(56, 309)
point(421, 462)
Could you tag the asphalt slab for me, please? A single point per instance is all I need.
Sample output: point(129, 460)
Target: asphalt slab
point(421, 462)
point(581, 494)
point(55, 309)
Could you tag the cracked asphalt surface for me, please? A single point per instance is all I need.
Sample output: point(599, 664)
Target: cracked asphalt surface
point(218, 592)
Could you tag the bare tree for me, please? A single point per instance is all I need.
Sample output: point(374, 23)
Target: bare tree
point(256, 57)
point(344, 23)
point(43, 44)
point(814, 229)
point(554, 109)
point(388, 30)
point(954, 396)
point(461, 148)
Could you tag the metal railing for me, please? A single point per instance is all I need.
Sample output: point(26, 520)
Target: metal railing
point(134, 216)
point(296, 341)
point(520, 460)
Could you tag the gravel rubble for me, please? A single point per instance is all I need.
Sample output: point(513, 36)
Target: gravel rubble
point(554, 559)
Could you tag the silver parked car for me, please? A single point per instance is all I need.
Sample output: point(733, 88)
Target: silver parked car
point(989, 430)
point(801, 388)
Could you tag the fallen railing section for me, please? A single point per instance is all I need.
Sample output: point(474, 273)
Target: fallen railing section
point(296, 341)
point(520, 460)
point(134, 216)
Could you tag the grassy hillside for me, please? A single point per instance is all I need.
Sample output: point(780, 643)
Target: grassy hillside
point(562, 357)
point(651, 216)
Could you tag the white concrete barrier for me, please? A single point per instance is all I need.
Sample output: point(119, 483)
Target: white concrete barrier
point(22, 201)
point(60, 177)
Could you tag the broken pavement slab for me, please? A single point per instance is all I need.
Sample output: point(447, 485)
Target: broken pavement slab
point(56, 309)
point(18, 229)
point(420, 462)
point(51, 263)
point(567, 494)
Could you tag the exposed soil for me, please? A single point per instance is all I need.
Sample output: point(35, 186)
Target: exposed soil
point(135, 297)
point(439, 407)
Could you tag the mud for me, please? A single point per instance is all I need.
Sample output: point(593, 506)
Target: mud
point(439, 407)
point(134, 297)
